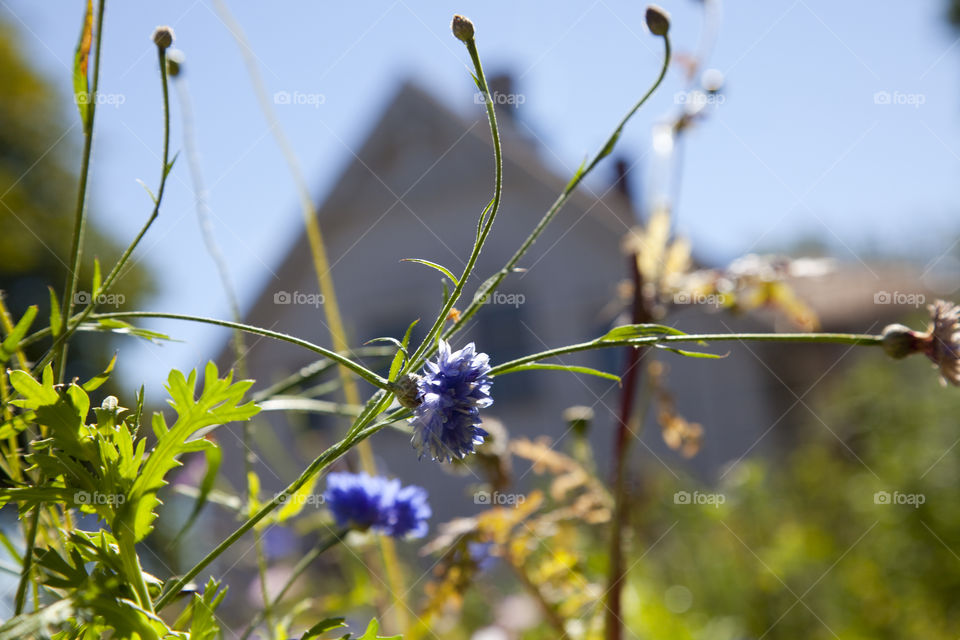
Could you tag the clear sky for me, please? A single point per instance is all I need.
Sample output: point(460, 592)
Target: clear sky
point(800, 146)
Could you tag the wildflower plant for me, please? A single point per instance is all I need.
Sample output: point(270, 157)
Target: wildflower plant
point(66, 456)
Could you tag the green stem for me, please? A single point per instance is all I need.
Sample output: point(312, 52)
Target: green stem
point(131, 565)
point(60, 343)
point(359, 369)
point(21, 597)
point(297, 571)
point(486, 222)
point(498, 277)
point(361, 431)
point(806, 338)
point(80, 212)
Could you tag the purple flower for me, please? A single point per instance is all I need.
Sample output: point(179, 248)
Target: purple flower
point(362, 502)
point(446, 424)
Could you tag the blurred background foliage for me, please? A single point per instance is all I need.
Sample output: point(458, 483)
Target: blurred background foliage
point(38, 191)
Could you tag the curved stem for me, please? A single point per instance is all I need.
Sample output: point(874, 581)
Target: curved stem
point(359, 369)
point(494, 281)
point(819, 338)
point(80, 213)
point(486, 219)
point(59, 344)
point(361, 431)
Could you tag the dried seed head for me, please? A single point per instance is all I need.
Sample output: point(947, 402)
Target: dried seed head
point(462, 28)
point(658, 20)
point(407, 390)
point(163, 37)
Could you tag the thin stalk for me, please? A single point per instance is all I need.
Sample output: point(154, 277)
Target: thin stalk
point(803, 338)
point(508, 268)
point(321, 267)
point(359, 369)
point(61, 340)
point(131, 566)
point(362, 430)
point(548, 610)
point(429, 343)
point(628, 394)
point(31, 539)
point(297, 571)
point(80, 211)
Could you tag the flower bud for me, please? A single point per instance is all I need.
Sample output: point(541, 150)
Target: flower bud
point(658, 20)
point(462, 28)
point(579, 419)
point(407, 390)
point(174, 62)
point(899, 341)
point(163, 37)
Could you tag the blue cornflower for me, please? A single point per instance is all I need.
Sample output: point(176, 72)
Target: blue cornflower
point(446, 423)
point(362, 502)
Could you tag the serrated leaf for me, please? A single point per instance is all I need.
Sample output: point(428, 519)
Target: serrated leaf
point(537, 366)
point(218, 403)
point(81, 76)
point(434, 265)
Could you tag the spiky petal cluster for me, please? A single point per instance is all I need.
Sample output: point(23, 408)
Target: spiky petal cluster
point(362, 502)
point(944, 340)
point(453, 389)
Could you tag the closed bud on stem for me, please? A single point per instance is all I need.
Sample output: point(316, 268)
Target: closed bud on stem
point(658, 20)
point(174, 62)
point(899, 341)
point(579, 419)
point(163, 37)
point(407, 391)
point(462, 28)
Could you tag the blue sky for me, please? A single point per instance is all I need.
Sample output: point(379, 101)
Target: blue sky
point(799, 147)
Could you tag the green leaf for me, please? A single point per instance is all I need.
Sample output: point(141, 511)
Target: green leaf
point(576, 175)
point(536, 366)
point(167, 169)
point(97, 381)
point(399, 358)
point(97, 279)
point(322, 627)
point(143, 184)
point(218, 403)
point(628, 331)
point(56, 319)
point(434, 265)
point(371, 633)
point(119, 326)
point(81, 59)
point(11, 343)
point(691, 354)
